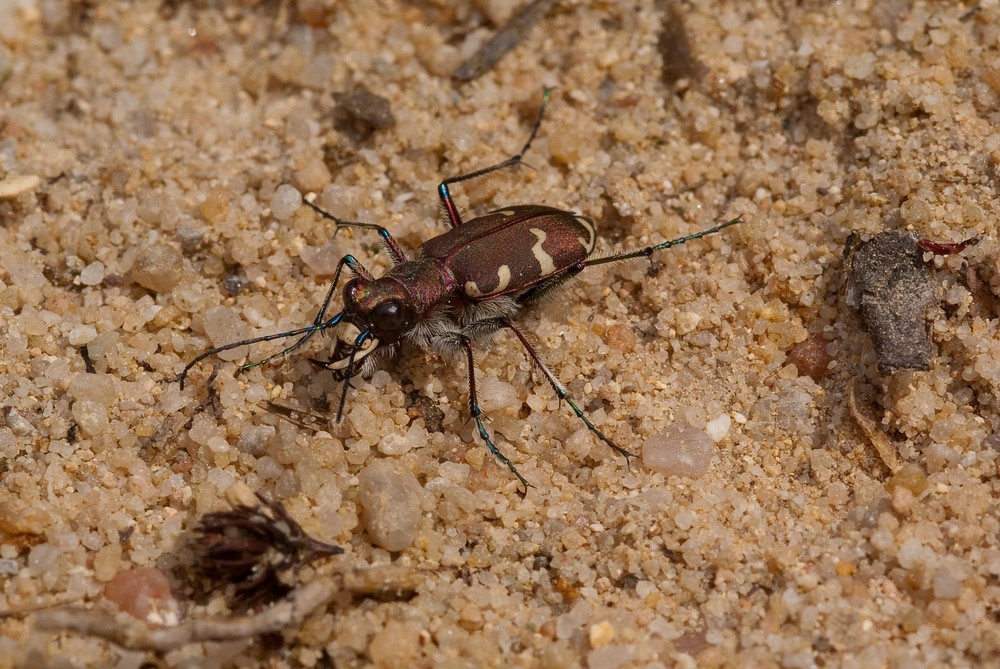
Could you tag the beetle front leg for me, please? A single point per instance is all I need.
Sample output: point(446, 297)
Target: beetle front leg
point(320, 323)
point(476, 413)
point(391, 247)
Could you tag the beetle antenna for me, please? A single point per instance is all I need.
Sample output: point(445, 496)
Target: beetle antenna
point(319, 327)
point(319, 324)
point(650, 250)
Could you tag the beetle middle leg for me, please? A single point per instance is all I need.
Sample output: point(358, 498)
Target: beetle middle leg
point(449, 205)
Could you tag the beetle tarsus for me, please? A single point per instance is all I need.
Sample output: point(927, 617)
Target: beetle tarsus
point(492, 448)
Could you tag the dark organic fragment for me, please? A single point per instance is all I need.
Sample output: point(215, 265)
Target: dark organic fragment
point(360, 112)
point(505, 39)
point(258, 549)
point(945, 248)
point(386, 581)
point(984, 304)
point(890, 284)
point(676, 55)
point(299, 415)
point(87, 362)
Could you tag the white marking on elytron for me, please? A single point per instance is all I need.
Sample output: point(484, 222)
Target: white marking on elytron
point(472, 290)
point(543, 258)
point(503, 274)
point(507, 212)
point(503, 280)
point(589, 227)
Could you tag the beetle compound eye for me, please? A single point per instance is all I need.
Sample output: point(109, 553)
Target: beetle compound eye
point(350, 290)
point(389, 317)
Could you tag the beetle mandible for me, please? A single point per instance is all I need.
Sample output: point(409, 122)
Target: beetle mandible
point(464, 287)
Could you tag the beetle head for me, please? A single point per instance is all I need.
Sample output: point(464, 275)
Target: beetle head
point(378, 308)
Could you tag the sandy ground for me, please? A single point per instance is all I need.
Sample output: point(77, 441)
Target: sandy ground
point(143, 149)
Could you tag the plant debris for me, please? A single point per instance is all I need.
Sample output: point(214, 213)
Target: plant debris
point(879, 440)
point(360, 113)
point(291, 611)
point(676, 55)
point(504, 40)
point(890, 283)
point(298, 415)
point(945, 248)
point(258, 548)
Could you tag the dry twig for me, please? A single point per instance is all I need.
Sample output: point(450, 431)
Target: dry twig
point(293, 610)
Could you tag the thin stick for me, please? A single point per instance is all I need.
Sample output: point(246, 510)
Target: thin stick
point(293, 610)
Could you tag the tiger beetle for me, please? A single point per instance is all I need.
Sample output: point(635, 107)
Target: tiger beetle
point(465, 286)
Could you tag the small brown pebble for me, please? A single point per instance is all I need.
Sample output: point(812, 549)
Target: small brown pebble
point(311, 175)
point(691, 643)
point(601, 634)
point(621, 337)
point(910, 476)
point(712, 657)
point(360, 112)
point(397, 645)
point(845, 568)
point(912, 619)
point(315, 13)
point(16, 518)
point(942, 613)
point(215, 206)
point(810, 357)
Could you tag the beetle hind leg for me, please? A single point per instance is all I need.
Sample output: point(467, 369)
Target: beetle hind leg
point(487, 327)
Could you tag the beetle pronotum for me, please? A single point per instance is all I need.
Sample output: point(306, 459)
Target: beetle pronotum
point(465, 286)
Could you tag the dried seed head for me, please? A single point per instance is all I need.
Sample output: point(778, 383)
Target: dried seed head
point(258, 549)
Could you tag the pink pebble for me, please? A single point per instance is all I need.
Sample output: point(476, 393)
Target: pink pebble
point(144, 593)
